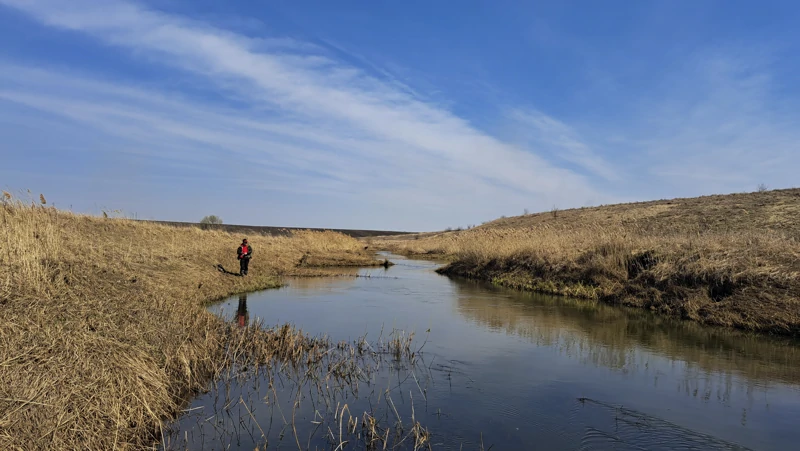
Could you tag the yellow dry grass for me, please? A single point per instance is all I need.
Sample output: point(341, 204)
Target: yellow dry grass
point(102, 327)
point(725, 260)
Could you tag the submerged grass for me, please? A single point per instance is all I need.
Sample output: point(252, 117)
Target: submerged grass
point(103, 333)
point(311, 374)
point(729, 260)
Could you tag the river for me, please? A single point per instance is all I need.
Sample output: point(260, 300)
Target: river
point(506, 370)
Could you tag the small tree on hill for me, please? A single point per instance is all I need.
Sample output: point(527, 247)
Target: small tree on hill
point(211, 219)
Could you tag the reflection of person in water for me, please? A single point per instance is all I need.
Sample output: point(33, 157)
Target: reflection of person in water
point(242, 317)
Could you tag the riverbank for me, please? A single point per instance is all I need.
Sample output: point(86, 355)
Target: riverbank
point(731, 260)
point(103, 330)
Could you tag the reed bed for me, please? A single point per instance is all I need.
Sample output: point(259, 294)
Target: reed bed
point(304, 375)
point(721, 260)
point(103, 330)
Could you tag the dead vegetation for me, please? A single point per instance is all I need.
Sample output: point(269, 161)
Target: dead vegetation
point(103, 333)
point(729, 260)
point(309, 388)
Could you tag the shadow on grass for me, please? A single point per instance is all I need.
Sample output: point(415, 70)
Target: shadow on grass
point(222, 269)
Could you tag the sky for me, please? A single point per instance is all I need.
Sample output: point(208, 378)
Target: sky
point(393, 115)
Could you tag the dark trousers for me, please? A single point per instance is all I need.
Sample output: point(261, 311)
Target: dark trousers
point(243, 263)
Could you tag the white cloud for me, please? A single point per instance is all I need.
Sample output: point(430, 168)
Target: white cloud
point(298, 120)
point(563, 142)
point(304, 112)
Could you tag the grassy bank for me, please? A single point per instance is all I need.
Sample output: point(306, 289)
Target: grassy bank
point(730, 260)
point(103, 333)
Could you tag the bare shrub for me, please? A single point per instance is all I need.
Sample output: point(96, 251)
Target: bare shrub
point(211, 219)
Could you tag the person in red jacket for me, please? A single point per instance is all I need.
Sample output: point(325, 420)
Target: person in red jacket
point(245, 253)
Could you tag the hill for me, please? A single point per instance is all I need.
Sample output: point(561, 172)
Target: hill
point(277, 231)
point(728, 260)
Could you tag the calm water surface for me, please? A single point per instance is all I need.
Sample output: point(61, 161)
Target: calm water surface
point(526, 371)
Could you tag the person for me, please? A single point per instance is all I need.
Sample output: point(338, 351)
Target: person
point(245, 253)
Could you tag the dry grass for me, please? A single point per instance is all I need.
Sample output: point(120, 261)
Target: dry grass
point(315, 375)
point(723, 260)
point(103, 333)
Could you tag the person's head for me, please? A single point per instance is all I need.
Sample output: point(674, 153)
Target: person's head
point(244, 241)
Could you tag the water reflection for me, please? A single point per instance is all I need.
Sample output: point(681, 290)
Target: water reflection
point(242, 316)
point(327, 279)
point(513, 366)
point(614, 337)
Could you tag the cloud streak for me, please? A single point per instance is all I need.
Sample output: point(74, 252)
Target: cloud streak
point(310, 123)
point(345, 137)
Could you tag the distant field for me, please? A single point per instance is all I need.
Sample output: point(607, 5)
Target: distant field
point(728, 260)
point(278, 231)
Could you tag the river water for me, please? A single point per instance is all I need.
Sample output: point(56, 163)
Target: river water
point(506, 370)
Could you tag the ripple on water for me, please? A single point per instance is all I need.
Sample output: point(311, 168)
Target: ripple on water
point(613, 427)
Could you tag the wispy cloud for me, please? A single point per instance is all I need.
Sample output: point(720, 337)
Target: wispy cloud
point(284, 115)
point(562, 142)
point(717, 123)
point(309, 122)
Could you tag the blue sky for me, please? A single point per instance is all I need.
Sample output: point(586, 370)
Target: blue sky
point(404, 115)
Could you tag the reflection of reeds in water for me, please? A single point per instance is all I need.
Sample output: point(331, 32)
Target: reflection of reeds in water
point(314, 375)
point(324, 278)
point(331, 278)
point(606, 336)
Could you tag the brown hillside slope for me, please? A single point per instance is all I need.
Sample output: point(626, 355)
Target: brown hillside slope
point(271, 230)
point(102, 324)
point(728, 260)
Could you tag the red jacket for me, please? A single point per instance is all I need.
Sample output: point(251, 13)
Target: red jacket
point(245, 251)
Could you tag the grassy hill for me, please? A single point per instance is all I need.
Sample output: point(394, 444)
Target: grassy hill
point(277, 231)
point(777, 210)
point(103, 330)
point(729, 260)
